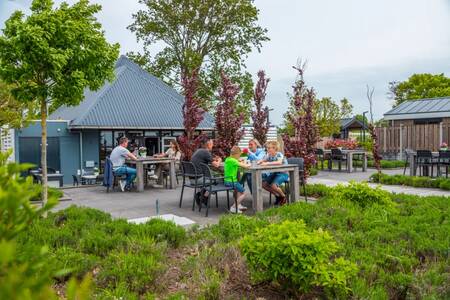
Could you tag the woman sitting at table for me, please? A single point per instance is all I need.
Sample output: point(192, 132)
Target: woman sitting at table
point(273, 181)
point(255, 153)
point(173, 153)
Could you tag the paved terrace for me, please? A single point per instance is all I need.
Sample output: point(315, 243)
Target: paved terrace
point(131, 205)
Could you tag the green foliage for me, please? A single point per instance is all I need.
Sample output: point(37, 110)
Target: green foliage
point(13, 113)
point(291, 255)
point(361, 194)
point(231, 228)
point(328, 115)
point(208, 35)
point(316, 190)
point(415, 181)
point(420, 86)
point(162, 230)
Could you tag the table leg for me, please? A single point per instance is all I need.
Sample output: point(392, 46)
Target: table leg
point(349, 162)
point(140, 176)
point(364, 162)
point(294, 184)
point(173, 175)
point(412, 165)
point(257, 191)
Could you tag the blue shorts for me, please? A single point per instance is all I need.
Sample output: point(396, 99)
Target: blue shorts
point(276, 178)
point(236, 185)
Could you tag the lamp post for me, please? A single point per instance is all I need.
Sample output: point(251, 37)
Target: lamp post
point(364, 126)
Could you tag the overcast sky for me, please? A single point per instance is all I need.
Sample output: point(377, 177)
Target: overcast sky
point(348, 43)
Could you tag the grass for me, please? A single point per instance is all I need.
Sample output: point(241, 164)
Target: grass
point(399, 245)
point(414, 181)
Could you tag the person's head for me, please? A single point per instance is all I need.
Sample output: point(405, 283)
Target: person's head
point(253, 145)
point(174, 146)
point(272, 147)
point(206, 143)
point(235, 152)
point(123, 141)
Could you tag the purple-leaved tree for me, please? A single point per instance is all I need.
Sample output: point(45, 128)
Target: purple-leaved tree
point(228, 123)
point(192, 115)
point(301, 116)
point(260, 114)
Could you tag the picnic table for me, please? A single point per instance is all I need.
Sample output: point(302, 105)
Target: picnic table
point(149, 160)
point(413, 162)
point(54, 177)
point(349, 154)
point(256, 173)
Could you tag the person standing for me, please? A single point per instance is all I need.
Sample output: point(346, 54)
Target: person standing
point(118, 157)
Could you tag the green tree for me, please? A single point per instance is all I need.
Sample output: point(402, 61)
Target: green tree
point(328, 115)
point(208, 35)
point(52, 55)
point(419, 86)
point(13, 113)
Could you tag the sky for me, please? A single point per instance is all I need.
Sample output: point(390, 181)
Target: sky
point(348, 44)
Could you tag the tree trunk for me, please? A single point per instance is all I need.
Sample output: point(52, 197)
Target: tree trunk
point(44, 151)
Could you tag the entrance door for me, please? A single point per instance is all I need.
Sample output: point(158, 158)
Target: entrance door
point(30, 152)
point(152, 145)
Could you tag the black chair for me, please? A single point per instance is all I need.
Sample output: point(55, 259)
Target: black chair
point(338, 156)
point(425, 161)
point(116, 177)
point(191, 179)
point(300, 162)
point(408, 154)
point(213, 185)
point(75, 180)
point(443, 161)
point(320, 156)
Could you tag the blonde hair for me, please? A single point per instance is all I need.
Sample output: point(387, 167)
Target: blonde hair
point(274, 144)
point(258, 144)
point(235, 151)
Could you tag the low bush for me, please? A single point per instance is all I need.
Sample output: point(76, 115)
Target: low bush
point(361, 194)
point(293, 256)
point(414, 181)
point(161, 230)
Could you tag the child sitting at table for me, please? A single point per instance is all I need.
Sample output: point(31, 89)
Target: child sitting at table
point(273, 181)
point(231, 169)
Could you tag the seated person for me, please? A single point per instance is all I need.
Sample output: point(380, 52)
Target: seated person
point(203, 156)
point(273, 181)
point(231, 169)
point(117, 157)
point(173, 153)
point(256, 153)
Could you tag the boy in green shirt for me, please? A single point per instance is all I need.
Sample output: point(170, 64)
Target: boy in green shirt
point(231, 169)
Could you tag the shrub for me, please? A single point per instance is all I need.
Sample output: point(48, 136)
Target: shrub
point(362, 194)
point(291, 255)
point(233, 227)
point(339, 143)
point(316, 190)
point(161, 230)
point(73, 263)
point(415, 181)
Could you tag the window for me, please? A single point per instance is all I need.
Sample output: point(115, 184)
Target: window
point(166, 143)
point(117, 136)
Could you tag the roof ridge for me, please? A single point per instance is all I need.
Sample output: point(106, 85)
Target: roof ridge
point(120, 70)
point(422, 99)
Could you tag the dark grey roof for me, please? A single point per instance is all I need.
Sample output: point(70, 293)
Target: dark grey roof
point(422, 108)
point(135, 99)
point(347, 122)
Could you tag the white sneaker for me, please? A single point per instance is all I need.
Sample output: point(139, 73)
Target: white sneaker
point(122, 184)
point(233, 210)
point(242, 207)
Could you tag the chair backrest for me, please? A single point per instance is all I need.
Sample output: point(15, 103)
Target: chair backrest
point(299, 161)
point(51, 170)
point(444, 154)
point(188, 169)
point(424, 154)
point(336, 152)
point(206, 171)
point(319, 151)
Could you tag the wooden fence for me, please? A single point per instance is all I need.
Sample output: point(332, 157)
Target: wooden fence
point(415, 137)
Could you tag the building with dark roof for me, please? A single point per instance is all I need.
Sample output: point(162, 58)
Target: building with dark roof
point(136, 104)
point(349, 125)
point(422, 111)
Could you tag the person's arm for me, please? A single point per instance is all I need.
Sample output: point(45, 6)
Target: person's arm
point(244, 165)
point(278, 162)
point(131, 156)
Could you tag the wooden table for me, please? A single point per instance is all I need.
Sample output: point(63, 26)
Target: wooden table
point(256, 173)
point(152, 161)
point(413, 162)
point(349, 154)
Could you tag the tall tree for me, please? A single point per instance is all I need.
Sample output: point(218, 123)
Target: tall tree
point(208, 35)
point(228, 123)
point(193, 115)
point(419, 86)
point(328, 114)
point(301, 116)
point(52, 55)
point(260, 115)
point(13, 113)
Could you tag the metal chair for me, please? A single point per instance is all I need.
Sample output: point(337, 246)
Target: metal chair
point(408, 154)
point(214, 184)
point(320, 154)
point(336, 155)
point(443, 161)
point(191, 179)
point(300, 162)
point(424, 161)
